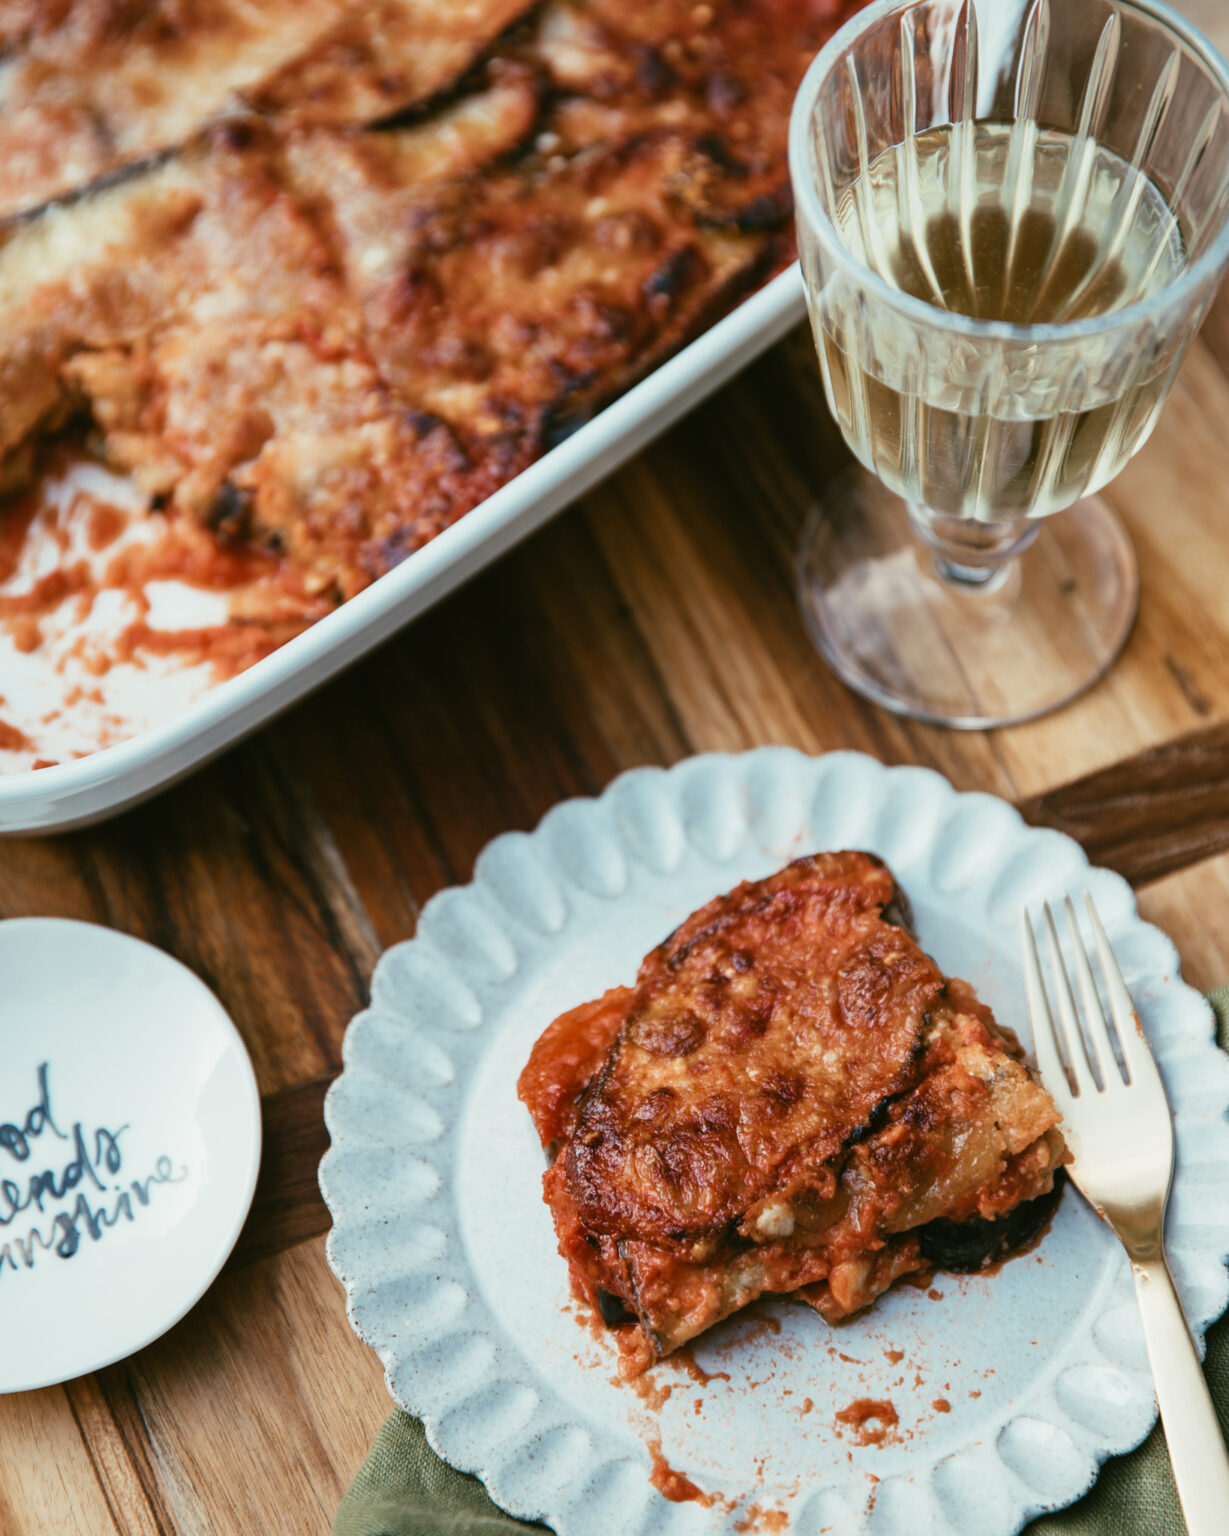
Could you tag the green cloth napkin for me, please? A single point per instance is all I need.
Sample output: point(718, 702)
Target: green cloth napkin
point(404, 1489)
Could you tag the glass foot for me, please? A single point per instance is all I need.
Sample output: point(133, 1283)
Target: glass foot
point(963, 655)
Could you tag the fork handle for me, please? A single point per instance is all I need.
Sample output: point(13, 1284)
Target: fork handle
point(1196, 1449)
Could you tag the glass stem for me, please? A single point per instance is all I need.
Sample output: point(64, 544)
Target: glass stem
point(969, 555)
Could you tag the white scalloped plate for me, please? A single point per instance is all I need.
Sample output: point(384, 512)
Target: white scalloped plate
point(448, 1256)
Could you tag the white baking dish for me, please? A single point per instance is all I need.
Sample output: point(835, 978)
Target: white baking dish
point(74, 793)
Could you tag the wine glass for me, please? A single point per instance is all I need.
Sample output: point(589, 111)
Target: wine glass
point(1012, 221)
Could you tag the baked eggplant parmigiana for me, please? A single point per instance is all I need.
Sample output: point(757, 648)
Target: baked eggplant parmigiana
point(319, 276)
point(791, 1098)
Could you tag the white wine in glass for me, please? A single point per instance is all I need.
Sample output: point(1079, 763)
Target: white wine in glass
point(1029, 253)
point(1010, 234)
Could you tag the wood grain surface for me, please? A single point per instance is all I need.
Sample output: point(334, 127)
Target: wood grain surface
point(652, 620)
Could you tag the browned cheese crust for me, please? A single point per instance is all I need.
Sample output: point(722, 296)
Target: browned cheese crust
point(789, 1094)
point(514, 292)
point(199, 318)
point(330, 342)
point(382, 57)
point(90, 86)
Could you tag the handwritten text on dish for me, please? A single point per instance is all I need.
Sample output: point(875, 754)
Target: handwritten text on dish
point(61, 1185)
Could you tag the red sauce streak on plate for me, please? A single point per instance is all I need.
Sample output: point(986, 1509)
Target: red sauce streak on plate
point(650, 1392)
point(269, 607)
point(690, 1366)
point(893, 1356)
point(13, 740)
point(673, 1485)
point(268, 603)
point(231, 648)
point(187, 554)
point(47, 592)
point(759, 1519)
point(25, 632)
point(106, 523)
point(941, 1405)
point(872, 1419)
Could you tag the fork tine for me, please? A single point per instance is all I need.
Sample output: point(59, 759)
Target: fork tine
point(1135, 1050)
point(1081, 1070)
point(1045, 1040)
point(1097, 1044)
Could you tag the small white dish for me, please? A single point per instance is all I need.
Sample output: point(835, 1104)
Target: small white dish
point(1009, 1389)
point(129, 1146)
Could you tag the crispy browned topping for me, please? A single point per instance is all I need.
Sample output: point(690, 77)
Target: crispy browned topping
point(328, 342)
point(565, 1058)
point(789, 1094)
point(381, 57)
point(93, 85)
point(761, 1037)
point(514, 300)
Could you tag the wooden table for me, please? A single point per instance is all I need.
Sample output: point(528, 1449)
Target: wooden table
point(653, 620)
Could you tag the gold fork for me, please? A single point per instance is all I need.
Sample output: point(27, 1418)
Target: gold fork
point(1117, 1123)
